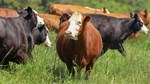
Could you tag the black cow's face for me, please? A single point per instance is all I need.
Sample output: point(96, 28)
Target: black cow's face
point(40, 34)
point(136, 24)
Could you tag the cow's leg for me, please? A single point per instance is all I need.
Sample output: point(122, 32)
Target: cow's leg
point(105, 48)
point(70, 68)
point(23, 55)
point(89, 67)
point(121, 49)
point(30, 46)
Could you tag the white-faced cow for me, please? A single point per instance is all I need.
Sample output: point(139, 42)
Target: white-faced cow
point(79, 43)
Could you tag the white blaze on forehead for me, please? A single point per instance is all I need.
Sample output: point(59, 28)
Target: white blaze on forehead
point(75, 22)
point(40, 20)
point(144, 29)
point(47, 41)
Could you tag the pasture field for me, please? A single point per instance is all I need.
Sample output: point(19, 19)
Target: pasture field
point(111, 68)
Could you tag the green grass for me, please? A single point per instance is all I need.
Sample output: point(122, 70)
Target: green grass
point(111, 68)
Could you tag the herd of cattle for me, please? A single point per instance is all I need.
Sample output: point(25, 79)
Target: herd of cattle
point(83, 33)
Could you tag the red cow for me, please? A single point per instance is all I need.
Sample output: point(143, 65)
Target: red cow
point(51, 21)
point(78, 42)
point(59, 9)
point(4, 12)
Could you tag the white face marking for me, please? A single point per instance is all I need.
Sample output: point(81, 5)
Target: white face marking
point(75, 22)
point(47, 41)
point(144, 29)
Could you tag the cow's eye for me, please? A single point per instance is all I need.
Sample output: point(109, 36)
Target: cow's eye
point(79, 23)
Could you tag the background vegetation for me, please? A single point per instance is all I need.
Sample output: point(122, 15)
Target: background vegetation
point(112, 5)
point(111, 68)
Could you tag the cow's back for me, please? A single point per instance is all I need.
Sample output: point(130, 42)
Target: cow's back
point(4, 12)
point(51, 21)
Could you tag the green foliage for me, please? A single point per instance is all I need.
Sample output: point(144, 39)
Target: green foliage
point(112, 5)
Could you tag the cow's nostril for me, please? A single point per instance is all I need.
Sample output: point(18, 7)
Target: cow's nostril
point(67, 33)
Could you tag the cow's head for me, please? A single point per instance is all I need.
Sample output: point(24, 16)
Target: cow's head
point(30, 15)
point(136, 24)
point(144, 29)
point(76, 25)
point(40, 33)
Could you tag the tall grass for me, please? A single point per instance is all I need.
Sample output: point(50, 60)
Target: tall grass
point(111, 68)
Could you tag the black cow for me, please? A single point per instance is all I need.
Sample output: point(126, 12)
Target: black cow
point(114, 31)
point(16, 40)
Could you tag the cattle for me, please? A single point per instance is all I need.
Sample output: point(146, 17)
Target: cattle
point(59, 9)
point(144, 15)
point(5, 12)
point(78, 43)
point(39, 35)
point(51, 21)
point(114, 31)
point(16, 40)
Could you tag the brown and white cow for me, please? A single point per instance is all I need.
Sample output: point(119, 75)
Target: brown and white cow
point(59, 9)
point(51, 21)
point(5, 12)
point(79, 42)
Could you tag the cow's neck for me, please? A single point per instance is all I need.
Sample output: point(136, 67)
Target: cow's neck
point(80, 44)
point(125, 34)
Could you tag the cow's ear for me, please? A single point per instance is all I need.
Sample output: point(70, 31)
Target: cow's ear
point(131, 15)
point(136, 16)
point(86, 19)
point(29, 10)
point(65, 17)
point(41, 28)
point(146, 13)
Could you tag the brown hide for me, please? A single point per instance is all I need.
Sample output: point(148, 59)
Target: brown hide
point(51, 21)
point(59, 9)
point(144, 15)
point(83, 51)
point(4, 12)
